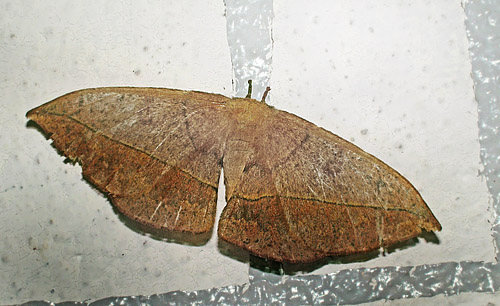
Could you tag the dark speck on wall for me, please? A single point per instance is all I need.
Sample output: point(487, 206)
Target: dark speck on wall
point(364, 131)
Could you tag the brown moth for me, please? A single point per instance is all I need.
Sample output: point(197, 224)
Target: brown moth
point(295, 192)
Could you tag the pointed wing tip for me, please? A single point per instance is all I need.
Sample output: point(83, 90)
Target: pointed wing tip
point(32, 113)
point(431, 223)
point(435, 226)
point(37, 111)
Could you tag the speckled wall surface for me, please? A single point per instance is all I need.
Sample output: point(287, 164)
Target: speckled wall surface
point(372, 74)
point(61, 239)
point(394, 78)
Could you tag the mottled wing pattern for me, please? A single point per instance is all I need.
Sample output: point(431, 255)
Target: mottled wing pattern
point(297, 192)
point(155, 152)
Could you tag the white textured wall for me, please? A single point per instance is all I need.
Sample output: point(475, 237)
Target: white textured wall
point(394, 78)
point(60, 239)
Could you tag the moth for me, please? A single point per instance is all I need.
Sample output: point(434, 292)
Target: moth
point(295, 192)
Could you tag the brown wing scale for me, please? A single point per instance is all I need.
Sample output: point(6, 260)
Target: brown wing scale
point(303, 193)
point(295, 192)
point(149, 149)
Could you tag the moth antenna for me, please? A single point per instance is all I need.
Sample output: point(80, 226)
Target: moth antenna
point(264, 96)
point(249, 94)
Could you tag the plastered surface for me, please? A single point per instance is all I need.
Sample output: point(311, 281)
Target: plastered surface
point(49, 215)
point(394, 78)
point(60, 239)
